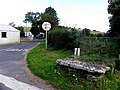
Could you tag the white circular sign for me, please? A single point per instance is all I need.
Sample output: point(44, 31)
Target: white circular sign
point(46, 26)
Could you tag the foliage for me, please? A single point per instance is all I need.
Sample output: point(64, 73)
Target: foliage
point(12, 24)
point(106, 84)
point(114, 19)
point(118, 65)
point(34, 30)
point(68, 38)
point(50, 15)
point(46, 17)
point(37, 19)
point(63, 39)
point(27, 29)
point(100, 46)
point(21, 29)
point(114, 46)
point(32, 17)
point(51, 12)
point(110, 75)
point(86, 32)
point(95, 58)
point(42, 63)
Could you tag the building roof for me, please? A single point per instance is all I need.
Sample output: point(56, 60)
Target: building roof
point(8, 28)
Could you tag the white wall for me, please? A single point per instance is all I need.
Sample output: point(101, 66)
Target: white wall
point(28, 34)
point(12, 37)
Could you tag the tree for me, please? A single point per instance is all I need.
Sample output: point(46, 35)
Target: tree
point(32, 17)
point(37, 19)
point(86, 32)
point(21, 29)
point(12, 24)
point(52, 14)
point(46, 17)
point(114, 19)
point(34, 30)
point(110, 1)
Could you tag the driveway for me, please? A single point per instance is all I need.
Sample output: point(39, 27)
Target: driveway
point(13, 68)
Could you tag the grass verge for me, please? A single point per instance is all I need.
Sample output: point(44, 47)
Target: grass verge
point(42, 63)
point(9, 44)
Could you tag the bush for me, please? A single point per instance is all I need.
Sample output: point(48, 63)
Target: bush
point(68, 39)
point(63, 39)
point(21, 29)
point(114, 47)
point(117, 64)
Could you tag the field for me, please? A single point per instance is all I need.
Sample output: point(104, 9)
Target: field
point(27, 29)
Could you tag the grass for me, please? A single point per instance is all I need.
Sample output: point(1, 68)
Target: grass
point(42, 63)
point(98, 59)
point(27, 29)
point(9, 44)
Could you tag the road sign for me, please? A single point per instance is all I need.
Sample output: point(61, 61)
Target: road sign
point(46, 26)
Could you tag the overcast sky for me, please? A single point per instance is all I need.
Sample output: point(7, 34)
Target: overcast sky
point(90, 14)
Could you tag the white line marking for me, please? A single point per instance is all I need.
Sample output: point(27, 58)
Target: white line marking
point(15, 84)
point(13, 50)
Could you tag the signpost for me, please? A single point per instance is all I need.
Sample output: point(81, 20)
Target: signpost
point(46, 26)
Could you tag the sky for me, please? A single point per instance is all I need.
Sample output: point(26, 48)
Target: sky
point(91, 14)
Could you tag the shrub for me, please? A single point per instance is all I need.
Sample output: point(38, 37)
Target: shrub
point(114, 46)
point(117, 65)
point(61, 38)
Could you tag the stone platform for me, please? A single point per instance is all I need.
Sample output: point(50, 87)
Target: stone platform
point(79, 65)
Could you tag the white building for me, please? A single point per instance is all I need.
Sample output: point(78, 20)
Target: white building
point(27, 34)
point(9, 34)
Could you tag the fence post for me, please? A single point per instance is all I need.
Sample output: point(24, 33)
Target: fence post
point(78, 53)
point(75, 51)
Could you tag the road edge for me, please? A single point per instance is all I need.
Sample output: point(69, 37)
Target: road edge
point(35, 79)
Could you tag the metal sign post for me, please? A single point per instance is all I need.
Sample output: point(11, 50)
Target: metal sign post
point(46, 39)
point(46, 26)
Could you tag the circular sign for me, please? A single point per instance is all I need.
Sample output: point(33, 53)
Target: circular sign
point(46, 26)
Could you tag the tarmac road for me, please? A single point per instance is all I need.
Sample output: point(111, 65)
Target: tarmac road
point(14, 70)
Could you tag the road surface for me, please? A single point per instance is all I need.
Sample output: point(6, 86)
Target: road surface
point(13, 69)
